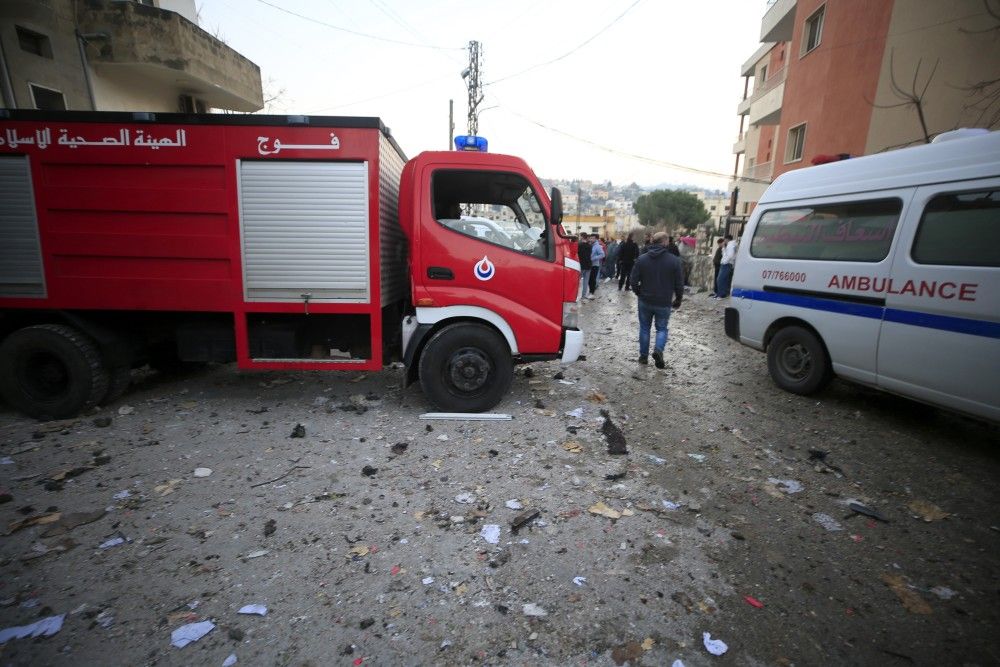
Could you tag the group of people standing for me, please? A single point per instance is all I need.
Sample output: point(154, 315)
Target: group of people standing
point(655, 274)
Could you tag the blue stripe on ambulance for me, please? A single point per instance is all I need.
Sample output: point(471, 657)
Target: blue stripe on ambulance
point(915, 318)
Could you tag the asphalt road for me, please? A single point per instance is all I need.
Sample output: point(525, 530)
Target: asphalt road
point(368, 537)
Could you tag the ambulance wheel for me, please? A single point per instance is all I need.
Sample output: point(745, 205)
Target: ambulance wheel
point(51, 371)
point(466, 368)
point(797, 361)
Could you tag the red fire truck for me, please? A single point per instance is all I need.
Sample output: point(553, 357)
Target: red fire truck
point(277, 242)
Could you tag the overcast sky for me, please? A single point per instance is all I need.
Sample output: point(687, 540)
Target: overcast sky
point(658, 79)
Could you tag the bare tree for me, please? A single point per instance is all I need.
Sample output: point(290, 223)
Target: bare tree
point(912, 96)
point(984, 96)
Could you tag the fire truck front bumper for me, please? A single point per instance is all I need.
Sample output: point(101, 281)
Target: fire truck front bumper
point(572, 345)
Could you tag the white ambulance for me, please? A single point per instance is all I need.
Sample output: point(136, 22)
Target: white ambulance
point(882, 270)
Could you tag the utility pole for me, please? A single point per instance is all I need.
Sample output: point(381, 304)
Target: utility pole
point(473, 77)
point(451, 125)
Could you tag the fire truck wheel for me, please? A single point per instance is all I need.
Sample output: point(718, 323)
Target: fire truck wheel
point(797, 361)
point(466, 368)
point(51, 371)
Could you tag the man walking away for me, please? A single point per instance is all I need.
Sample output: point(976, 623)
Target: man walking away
point(596, 256)
point(626, 259)
point(583, 254)
point(656, 277)
point(716, 262)
point(726, 268)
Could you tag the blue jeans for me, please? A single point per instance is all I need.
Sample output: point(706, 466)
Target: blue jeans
point(725, 281)
point(648, 314)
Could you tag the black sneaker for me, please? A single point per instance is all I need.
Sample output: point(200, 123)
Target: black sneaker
point(658, 359)
point(644, 360)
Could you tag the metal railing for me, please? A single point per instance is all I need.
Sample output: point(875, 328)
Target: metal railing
point(769, 84)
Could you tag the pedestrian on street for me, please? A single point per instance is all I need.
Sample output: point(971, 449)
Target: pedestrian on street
point(583, 255)
point(716, 262)
point(672, 247)
point(626, 260)
point(726, 266)
point(596, 257)
point(657, 277)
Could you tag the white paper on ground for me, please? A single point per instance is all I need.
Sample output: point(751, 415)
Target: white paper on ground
point(714, 646)
point(258, 609)
point(789, 486)
point(43, 628)
point(490, 533)
point(578, 413)
point(677, 663)
point(579, 581)
point(827, 521)
point(230, 661)
point(191, 632)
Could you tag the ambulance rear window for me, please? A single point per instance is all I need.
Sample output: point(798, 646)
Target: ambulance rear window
point(960, 229)
point(859, 231)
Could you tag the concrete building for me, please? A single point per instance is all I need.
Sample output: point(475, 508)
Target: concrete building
point(846, 77)
point(109, 55)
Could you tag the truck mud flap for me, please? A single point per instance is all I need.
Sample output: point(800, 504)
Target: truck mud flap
point(417, 341)
point(733, 323)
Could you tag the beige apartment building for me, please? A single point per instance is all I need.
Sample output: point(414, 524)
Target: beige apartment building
point(114, 55)
point(839, 78)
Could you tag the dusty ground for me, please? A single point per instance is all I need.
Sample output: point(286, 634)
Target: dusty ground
point(389, 568)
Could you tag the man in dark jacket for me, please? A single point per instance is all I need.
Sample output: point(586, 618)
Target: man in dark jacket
point(658, 281)
point(583, 250)
point(627, 255)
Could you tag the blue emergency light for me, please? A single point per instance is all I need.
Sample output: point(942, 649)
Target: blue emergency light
point(470, 142)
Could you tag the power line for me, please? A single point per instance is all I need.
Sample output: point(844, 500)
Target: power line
point(357, 33)
point(571, 51)
point(633, 156)
point(384, 95)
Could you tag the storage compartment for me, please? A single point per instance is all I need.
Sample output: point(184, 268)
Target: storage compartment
point(309, 337)
point(206, 341)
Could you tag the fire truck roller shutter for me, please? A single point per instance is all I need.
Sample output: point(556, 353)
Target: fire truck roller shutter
point(21, 272)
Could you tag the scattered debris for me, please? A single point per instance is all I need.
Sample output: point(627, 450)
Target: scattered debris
point(927, 511)
point(615, 476)
point(656, 459)
point(596, 397)
point(491, 533)
point(46, 627)
point(523, 519)
point(753, 602)
point(230, 661)
point(943, 592)
point(671, 505)
point(126, 410)
point(467, 416)
point(465, 498)
point(253, 609)
point(399, 448)
point(298, 432)
point(37, 520)
point(113, 542)
point(713, 646)
point(514, 504)
point(788, 486)
point(601, 509)
point(269, 527)
point(614, 435)
point(167, 487)
point(576, 414)
point(369, 471)
point(630, 652)
point(202, 472)
point(102, 422)
point(648, 643)
point(572, 446)
point(532, 609)
point(580, 581)
point(827, 521)
point(867, 511)
point(191, 632)
point(912, 602)
point(281, 477)
point(256, 554)
point(700, 458)
point(427, 581)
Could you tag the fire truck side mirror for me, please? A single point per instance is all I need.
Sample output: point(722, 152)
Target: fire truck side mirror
point(557, 210)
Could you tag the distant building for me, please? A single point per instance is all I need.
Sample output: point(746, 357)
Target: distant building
point(110, 55)
point(831, 79)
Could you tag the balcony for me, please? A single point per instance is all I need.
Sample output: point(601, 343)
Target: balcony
point(751, 63)
point(137, 45)
point(778, 22)
point(759, 172)
point(766, 101)
point(740, 146)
